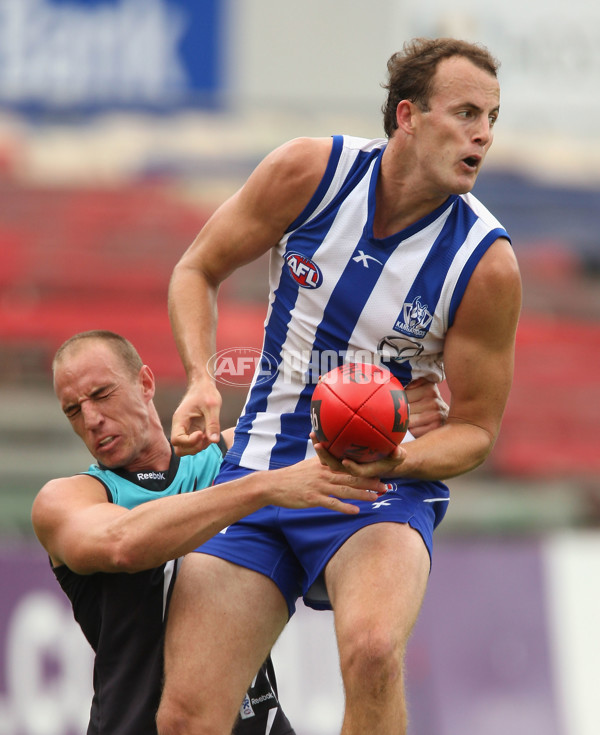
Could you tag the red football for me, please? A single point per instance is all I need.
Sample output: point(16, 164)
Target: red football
point(359, 411)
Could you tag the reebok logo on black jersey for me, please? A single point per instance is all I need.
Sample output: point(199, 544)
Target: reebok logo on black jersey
point(151, 476)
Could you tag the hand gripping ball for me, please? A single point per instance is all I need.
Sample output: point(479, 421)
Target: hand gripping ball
point(359, 411)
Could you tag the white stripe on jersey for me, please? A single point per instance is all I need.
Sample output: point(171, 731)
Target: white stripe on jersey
point(336, 291)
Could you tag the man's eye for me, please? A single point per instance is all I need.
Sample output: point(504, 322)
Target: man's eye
point(72, 412)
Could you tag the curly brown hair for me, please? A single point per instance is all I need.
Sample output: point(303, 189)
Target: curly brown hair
point(411, 71)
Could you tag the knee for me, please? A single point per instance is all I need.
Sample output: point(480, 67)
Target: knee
point(373, 660)
point(178, 716)
point(173, 718)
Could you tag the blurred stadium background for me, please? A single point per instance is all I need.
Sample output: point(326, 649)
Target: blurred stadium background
point(123, 123)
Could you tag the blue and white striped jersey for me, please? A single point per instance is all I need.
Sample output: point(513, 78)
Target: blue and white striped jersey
point(339, 294)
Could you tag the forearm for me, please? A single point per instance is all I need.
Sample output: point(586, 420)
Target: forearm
point(170, 527)
point(167, 528)
point(192, 304)
point(449, 451)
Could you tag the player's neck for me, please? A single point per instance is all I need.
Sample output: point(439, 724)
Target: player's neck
point(156, 456)
point(396, 208)
point(403, 196)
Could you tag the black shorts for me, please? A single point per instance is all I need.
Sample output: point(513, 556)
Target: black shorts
point(261, 712)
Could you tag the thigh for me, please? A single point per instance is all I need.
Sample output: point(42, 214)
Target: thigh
point(316, 535)
point(222, 623)
point(377, 581)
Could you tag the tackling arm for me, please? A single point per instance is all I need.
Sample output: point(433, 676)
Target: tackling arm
point(78, 527)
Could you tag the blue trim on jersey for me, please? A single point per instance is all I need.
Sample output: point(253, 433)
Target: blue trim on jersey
point(428, 284)
point(276, 328)
point(333, 237)
point(307, 243)
point(334, 157)
point(339, 318)
point(467, 271)
point(358, 169)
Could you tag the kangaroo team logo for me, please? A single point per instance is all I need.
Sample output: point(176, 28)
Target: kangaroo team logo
point(414, 319)
point(306, 273)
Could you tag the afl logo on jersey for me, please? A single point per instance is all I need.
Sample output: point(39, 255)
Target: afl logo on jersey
point(303, 270)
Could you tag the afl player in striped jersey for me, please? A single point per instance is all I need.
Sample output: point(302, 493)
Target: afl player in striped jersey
point(378, 248)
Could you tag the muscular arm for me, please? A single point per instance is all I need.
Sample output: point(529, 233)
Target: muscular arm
point(478, 357)
point(78, 526)
point(242, 229)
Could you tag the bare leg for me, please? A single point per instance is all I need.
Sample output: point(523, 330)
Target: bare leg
point(223, 621)
point(376, 583)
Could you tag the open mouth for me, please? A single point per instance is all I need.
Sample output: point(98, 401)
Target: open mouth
point(471, 161)
point(105, 442)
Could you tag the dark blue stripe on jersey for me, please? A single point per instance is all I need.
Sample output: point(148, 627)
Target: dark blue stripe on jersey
point(334, 157)
point(470, 265)
point(341, 314)
point(333, 333)
point(284, 300)
point(355, 175)
point(275, 333)
point(306, 242)
point(428, 284)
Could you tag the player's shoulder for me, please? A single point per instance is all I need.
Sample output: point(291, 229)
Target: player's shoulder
point(68, 492)
point(498, 272)
point(74, 483)
point(296, 149)
point(300, 155)
point(303, 144)
point(481, 211)
point(500, 259)
point(358, 143)
point(62, 494)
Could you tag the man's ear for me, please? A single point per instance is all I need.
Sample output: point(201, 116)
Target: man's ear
point(148, 382)
point(405, 116)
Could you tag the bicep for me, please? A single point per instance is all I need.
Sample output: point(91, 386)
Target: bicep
point(256, 217)
point(479, 349)
point(69, 516)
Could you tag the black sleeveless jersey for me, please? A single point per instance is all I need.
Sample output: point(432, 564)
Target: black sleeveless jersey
point(121, 615)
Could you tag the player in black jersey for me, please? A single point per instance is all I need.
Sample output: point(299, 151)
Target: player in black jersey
point(111, 550)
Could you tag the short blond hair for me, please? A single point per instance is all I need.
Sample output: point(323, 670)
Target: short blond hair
point(120, 346)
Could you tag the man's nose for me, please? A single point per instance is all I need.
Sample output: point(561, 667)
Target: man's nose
point(483, 132)
point(92, 416)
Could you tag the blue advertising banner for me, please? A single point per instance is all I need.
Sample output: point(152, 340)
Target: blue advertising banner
point(62, 56)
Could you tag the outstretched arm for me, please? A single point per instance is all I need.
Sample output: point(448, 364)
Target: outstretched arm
point(78, 526)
